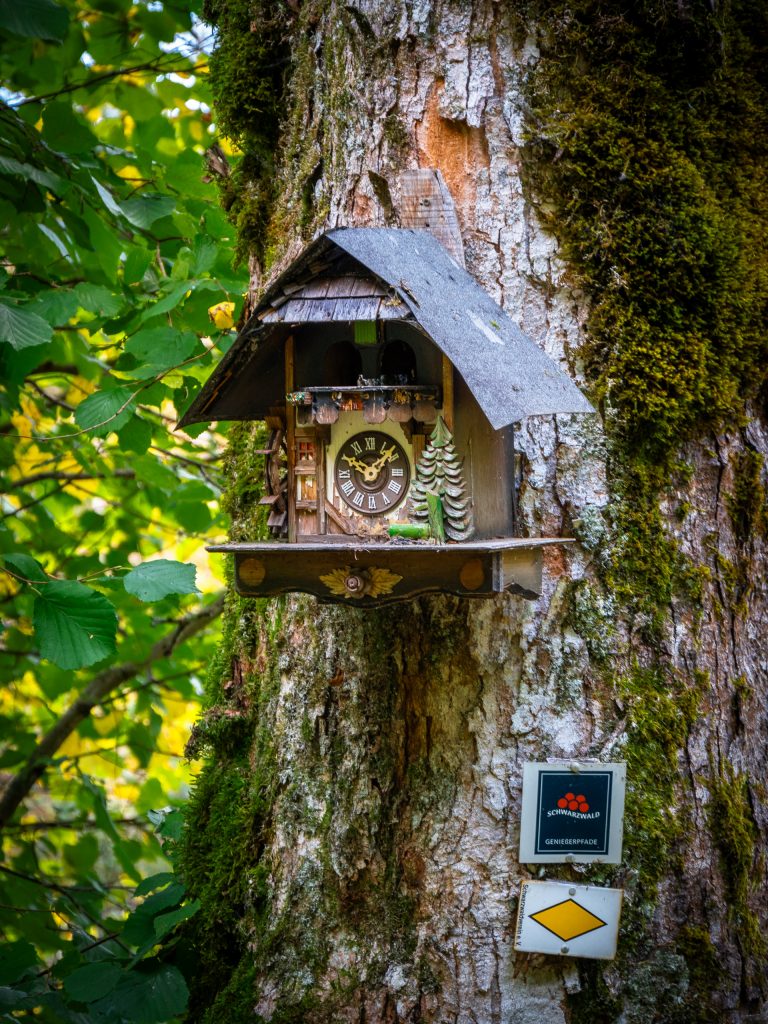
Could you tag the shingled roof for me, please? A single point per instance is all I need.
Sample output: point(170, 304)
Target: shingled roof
point(389, 273)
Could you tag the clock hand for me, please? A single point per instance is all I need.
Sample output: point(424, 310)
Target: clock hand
point(371, 471)
point(387, 456)
point(362, 467)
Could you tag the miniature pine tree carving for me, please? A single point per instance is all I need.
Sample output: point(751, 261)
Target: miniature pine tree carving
point(439, 472)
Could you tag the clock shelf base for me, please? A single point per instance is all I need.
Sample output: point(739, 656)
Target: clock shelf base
point(369, 575)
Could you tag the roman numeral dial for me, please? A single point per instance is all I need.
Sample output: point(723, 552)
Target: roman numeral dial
point(372, 473)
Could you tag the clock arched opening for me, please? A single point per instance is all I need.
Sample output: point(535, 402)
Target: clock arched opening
point(397, 363)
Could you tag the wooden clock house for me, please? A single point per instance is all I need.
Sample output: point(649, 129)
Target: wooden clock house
point(390, 381)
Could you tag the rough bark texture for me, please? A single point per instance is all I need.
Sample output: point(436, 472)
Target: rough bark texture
point(353, 837)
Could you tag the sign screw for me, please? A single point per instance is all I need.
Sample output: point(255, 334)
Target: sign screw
point(564, 949)
point(571, 892)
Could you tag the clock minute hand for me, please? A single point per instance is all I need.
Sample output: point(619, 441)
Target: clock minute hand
point(387, 456)
point(372, 471)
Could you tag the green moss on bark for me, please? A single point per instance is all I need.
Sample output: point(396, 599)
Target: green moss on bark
point(747, 501)
point(657, 190)
point(735, 833)
point(660, 709)
point(249, 66)
point(646, 156)
point(661, 195)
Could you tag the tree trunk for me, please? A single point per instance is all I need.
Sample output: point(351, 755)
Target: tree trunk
point(353, 836)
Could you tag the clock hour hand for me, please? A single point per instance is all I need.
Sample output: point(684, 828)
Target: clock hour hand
point(361, 467)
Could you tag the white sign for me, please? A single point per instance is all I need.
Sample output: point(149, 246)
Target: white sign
point(573, 812)
point(568, 920)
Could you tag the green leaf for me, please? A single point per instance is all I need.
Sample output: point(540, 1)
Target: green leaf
point(57, 305)
point(74, 625)
point(152, 471)
point(107, 198)
point(26, 566)
point(83, 854)
point(106, 241)
point(169, 301)
point(151, 795)
point(155, 580)
point(30, 173)
point(94, 981)
point(136, 263)
point(139, 928)
point(158, 349)
point(36, 19)
point(15, 960)
point(148, 885)
point(136, 435)
point(22, 329)
point(63, 131)
point(172, 825)
point(105, 411)
point(15, 999)
point(149, 994)
point(98, 800)
point(165, 923)
point(98, 299)
point(143, 211)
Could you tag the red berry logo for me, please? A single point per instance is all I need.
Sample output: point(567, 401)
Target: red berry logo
point(573, 802)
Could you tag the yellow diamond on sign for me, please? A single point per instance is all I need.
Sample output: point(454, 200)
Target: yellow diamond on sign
point(567, 920)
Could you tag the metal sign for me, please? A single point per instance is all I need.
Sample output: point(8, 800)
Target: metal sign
point(568, 920)
point(572, 813)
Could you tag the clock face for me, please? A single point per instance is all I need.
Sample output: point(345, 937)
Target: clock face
point(372, 473)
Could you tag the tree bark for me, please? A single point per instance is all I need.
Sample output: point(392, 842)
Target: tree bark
point(384, 754)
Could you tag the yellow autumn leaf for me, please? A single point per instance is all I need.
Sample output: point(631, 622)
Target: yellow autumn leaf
point(79, 388)
point(29, 416)
point(106, 723)
point(62, 924)
point(126, 791)
point(71, 747)
point(8, 585)
point(221, 315)
point(29, 458)
point(130, 173)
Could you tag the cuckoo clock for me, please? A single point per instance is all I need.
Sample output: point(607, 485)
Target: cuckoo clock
point(390, 382)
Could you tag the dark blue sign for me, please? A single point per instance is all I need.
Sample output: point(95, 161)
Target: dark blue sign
point(573, 812)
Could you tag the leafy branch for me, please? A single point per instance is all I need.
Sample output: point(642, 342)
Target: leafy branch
point(100, 687)
point(161, 65)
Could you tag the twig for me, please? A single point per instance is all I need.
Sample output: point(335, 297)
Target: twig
point(76, 825)
point(65, 890)
point(150, 65)
point(53, 475)
point(51, 398)
point(30, 504)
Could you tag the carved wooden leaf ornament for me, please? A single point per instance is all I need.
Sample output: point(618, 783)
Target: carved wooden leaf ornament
point(356, 583)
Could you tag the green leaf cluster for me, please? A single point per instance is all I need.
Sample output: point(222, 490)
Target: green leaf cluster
point(117, 296)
